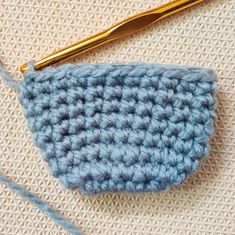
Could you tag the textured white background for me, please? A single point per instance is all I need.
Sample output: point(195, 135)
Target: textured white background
point(202, 36)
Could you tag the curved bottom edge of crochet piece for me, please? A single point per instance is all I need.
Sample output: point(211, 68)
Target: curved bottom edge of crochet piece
point(136, 190)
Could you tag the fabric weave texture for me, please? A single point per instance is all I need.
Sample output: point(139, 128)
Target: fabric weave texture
point(120, 127)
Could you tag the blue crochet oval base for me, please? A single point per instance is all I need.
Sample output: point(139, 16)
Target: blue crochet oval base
point(120, 127)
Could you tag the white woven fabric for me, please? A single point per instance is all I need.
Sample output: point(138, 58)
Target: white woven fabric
point(201, 36)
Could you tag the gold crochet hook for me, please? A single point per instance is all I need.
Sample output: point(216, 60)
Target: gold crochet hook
point(119, 30)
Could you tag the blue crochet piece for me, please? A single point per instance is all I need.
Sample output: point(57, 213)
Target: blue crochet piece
point(120, 127)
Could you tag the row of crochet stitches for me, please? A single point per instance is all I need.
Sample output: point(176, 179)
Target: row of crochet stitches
point(137, 127)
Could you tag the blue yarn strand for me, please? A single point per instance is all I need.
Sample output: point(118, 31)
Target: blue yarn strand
point(9, 82)
point(43, 206)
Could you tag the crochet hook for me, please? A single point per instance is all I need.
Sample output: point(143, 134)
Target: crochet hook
point(119, 30)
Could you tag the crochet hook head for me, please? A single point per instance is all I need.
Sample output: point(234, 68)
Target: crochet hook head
point(119, 30)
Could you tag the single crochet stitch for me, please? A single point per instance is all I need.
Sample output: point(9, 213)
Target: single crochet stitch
point(120, 127)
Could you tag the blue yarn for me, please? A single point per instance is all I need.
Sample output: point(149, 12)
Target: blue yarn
point(120, 127)
point(7, 79)
point(41, 205)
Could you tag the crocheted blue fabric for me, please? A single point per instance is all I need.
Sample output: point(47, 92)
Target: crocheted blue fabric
point(120, 127)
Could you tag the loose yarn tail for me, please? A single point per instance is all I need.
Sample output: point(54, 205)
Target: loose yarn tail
point(9, 82)
point(43, 206)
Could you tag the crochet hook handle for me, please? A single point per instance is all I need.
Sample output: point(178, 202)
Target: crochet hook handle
point(119, 30)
